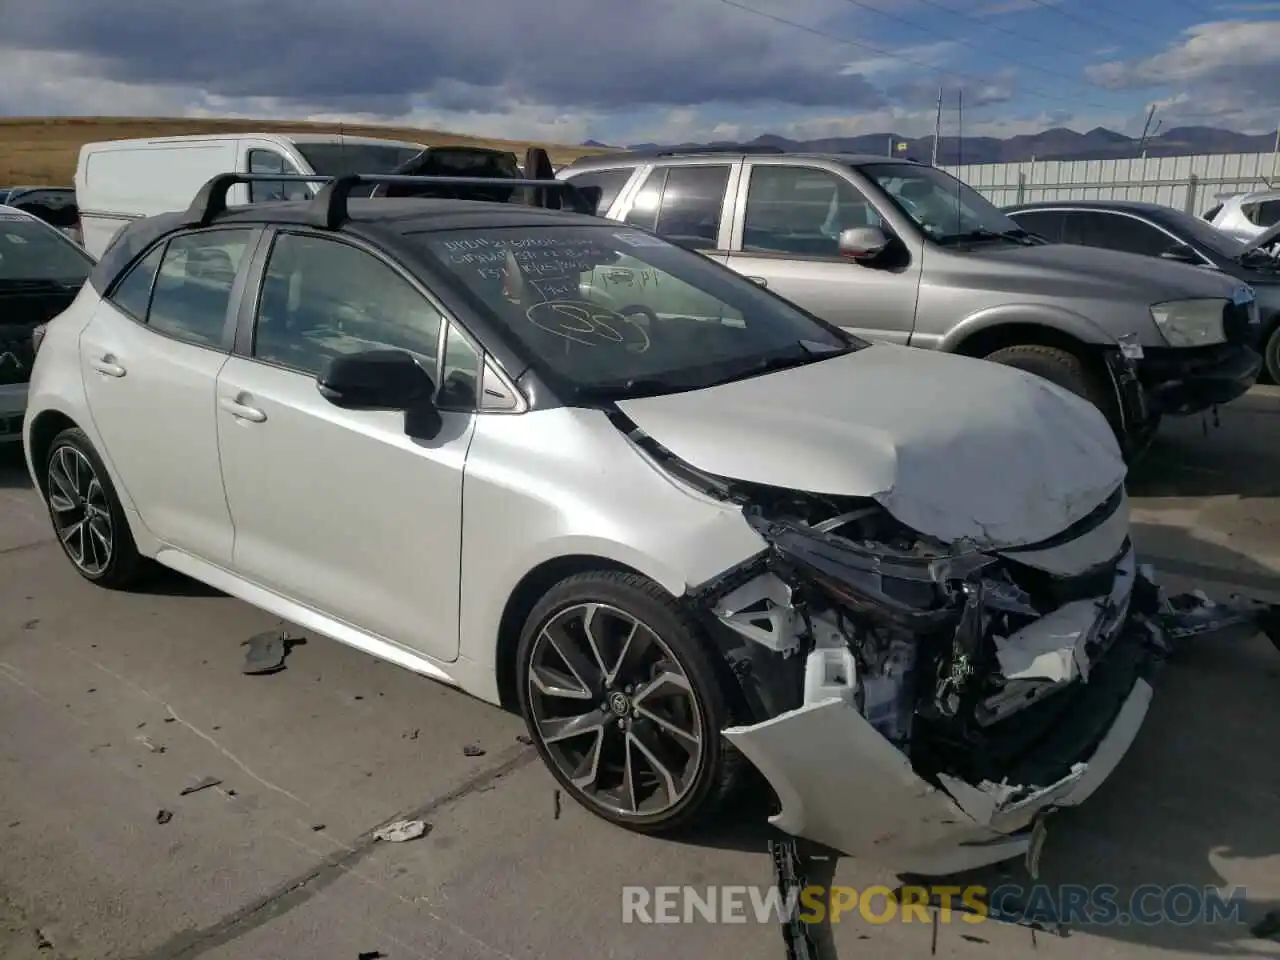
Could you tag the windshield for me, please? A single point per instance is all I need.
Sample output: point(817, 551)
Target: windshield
point(944, 208)
point(1202, 234)
point(613, 313)
point(32, 251)
point(337, 158)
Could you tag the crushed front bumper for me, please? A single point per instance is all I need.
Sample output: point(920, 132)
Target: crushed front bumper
point(842, 784)
point(1189, 380)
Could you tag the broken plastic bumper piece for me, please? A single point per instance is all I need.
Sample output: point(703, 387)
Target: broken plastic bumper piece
point(841, 783)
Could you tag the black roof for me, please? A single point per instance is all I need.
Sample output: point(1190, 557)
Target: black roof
point(374, 219)
point(1127, 206)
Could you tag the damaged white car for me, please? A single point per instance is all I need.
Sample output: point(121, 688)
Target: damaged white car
point(681, 523)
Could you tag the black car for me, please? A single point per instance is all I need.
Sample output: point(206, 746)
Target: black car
point(41, 271)
point(1159, 231)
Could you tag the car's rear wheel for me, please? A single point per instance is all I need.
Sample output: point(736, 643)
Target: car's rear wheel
point(1271, 356)
point(623, 702)
point(87, 515)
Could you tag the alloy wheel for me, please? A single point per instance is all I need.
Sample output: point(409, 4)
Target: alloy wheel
point(80, 510)
point(615, 711)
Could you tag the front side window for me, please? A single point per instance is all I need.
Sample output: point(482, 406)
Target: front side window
point(801, 211)
point(323, 298)
point(269, 161)
point(611, 312)
point(1117, 231)
point(948, 211)
point(1043, 223)
point(192, 289)
point(31, 250)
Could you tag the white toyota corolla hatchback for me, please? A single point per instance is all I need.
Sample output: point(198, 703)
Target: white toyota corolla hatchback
point(679, 523)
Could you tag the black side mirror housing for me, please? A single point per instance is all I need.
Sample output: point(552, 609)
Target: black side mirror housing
point(376, 380)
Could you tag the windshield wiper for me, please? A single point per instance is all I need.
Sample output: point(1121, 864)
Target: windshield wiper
point(1018, 235)
point(630, 389)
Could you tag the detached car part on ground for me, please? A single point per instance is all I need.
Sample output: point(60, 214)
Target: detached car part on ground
point(681, 537)
point(902, 252)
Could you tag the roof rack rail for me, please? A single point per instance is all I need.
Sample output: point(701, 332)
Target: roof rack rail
point(747, 149)
point(211, 199)
point(328, 208)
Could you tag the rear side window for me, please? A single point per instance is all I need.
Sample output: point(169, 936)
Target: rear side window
point(1117, 231)
point(610, 183)
point(268, 161)
point(193, 285)
point(1268, 213)
point(692, 200)
point(133, 293)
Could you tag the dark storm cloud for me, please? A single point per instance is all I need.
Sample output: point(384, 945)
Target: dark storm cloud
point(602, 54)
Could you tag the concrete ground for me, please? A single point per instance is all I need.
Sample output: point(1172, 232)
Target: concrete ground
point(110, 704)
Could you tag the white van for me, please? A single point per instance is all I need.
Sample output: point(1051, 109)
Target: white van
point(122, 180)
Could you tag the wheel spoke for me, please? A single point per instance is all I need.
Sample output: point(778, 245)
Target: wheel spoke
point(588, 770)
point(650, 755)
point(557, 683)
point(62, 495)
point(588, 675)
point(688, 737)
point(79, 505)
point(667, 683)
point(555, 729)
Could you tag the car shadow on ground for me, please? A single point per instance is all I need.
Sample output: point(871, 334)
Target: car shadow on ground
point(1193, 458)
point(13, 468)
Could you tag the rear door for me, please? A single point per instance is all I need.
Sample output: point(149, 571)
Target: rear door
point(785, 238)
point(150, 360)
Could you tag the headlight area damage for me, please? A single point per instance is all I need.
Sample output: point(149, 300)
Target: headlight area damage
point(927, 705)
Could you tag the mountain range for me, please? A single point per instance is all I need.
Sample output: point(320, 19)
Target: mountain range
point(1056, 144)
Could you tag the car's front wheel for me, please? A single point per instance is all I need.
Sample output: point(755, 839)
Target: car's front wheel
point(87, 515)
point(624, 703)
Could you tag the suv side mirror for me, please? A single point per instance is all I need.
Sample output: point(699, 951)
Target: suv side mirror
point(862, 243)
point(375, 380)
point(1182, 253)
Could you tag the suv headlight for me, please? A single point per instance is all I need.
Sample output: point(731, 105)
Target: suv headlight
point(1190, 323)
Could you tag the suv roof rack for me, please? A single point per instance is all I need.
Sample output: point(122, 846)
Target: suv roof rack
point(328, 208)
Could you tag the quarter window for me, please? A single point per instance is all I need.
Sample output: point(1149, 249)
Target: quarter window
point(644, 208)
point(802, 211)
point(133, 293)
point(323, 298)
point(610, 183)
point(193, 285)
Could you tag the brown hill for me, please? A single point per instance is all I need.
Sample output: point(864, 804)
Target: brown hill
point(43, 150)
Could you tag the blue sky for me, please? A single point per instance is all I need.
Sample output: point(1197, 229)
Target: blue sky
point(623, 71)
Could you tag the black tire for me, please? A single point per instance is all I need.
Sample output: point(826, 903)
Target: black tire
point(124, 566)
point(719, 766)
point(1057, 366)
point(1271, 357)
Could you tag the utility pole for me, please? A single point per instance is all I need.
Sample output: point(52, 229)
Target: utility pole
point(937, 128)
point(1142, 143)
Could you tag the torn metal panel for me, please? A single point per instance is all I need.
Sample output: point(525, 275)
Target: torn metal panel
point(761, 610)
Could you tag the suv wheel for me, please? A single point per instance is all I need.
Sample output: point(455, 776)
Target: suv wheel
point(623, 702)
point(86, 513)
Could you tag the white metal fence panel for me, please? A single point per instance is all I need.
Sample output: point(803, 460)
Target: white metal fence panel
point(1188, 183)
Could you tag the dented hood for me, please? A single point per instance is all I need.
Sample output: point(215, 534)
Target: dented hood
point(955, 448)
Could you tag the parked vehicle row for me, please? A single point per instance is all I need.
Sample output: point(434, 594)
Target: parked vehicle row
point(904, 253)
point(678, 521)
point(1154, 230)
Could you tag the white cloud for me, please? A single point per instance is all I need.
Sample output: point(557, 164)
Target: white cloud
point(935, 54)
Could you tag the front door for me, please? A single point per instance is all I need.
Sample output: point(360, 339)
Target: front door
point(785, 238)
point(339, 509)
point(150, 358)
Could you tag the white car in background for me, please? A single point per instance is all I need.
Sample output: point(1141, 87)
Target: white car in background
point(1245, 216)
point(712, 531)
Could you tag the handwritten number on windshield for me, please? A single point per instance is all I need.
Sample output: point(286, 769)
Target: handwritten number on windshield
point(588, 324)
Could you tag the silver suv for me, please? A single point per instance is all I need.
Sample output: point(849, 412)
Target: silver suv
point(901, 252)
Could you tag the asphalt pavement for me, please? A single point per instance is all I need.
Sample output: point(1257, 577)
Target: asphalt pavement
point(112, 704)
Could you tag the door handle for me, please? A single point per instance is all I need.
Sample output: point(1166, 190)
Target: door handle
point(106, 364)
point(759, 281)
point(241, 411)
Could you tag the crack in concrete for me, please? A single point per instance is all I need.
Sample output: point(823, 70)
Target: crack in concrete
point(297, 890)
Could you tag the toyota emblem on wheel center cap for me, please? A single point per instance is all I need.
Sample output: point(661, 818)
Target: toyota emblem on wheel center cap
point(619, 704)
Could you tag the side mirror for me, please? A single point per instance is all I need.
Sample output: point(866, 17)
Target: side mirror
point(862, 243)
point(1182, 253)
point(375, 380)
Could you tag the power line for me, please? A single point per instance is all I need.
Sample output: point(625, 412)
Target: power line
point(878, 51)
point(1092, 25)
point(973, 46)
point(999, 29)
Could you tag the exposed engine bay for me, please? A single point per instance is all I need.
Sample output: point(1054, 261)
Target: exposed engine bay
point(850, 622)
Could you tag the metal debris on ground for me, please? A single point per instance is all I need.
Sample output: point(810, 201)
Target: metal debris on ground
point(150, 744)
point(525, 739)
point(371, 955)
point(473, 750)
point(788, 878)
point(555, 799)
point(163, 816)
point(1268, 928)
point(317, 827)
point(202, 784)
point(267, 651)
point(401, 831)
